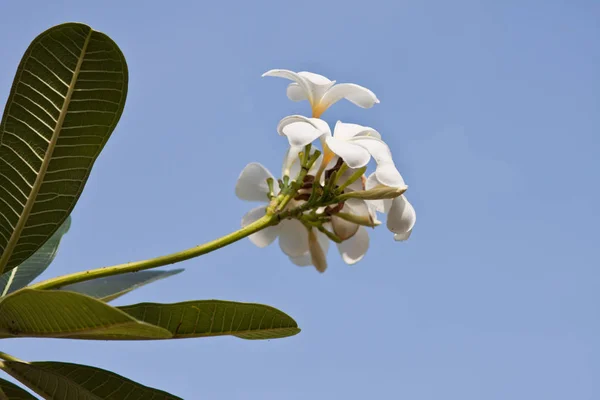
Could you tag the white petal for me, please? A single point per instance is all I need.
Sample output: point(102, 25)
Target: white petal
point(376, 147)
point(252, 183)
point(317, 255)
point(356, 94)
point(356, 207)
point(372, 181)
point(347, 131)
point(355, 186)
point(316, 79)
point(302, 261)
point(264, 237)
point(401, 216)
point(401, 237)
point(323, 240)
point(291, 158)
point(342, 228)
point(301, 131)
point(355, 248)
point(296, 92)
point(388, 175)
point(354, 155)
point(293, 238)
point(304, 84)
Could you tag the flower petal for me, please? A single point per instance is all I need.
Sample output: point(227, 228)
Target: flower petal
point(302, 261)
point(357, 207)
point(355, 186)
point(347, 131)
point(296, 92)
point(342, 228)
point(401, 237)
point(316, 79)
point(301, 131)
point(356, 94)
point(401, 216)
point(293, 238)
point(252, 183)
point(354, 155)
point(264, 237)
point(388, 175)
point(355, 248)
point(304, 84)
point(376, 147)
point(317, 255)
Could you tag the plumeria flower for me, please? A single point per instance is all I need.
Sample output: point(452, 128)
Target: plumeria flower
point(322, 92)
point(356, 144)
point(401, 215)
point(303, 247)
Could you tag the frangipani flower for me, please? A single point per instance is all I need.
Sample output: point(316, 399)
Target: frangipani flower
point(354, 143)
point(307, 246)
point(322, 92)
point(294, 238)
point(401, 215)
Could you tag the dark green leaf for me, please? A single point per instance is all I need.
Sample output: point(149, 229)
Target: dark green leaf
point(65, 381)
point(216, 318)
point(58, 314)
point(31, 268)
point(10, 391)
point(109, 288)
point(66, 99)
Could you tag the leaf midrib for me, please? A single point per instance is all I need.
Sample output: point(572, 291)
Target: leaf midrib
point(35, 387)
point(14, 238)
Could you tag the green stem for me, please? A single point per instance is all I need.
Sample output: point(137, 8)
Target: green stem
point(8, 357)
point(262, 223)
point(299, 181)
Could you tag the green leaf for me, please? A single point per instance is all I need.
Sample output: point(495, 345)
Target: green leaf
point(30, 269)
point(58, 314)
point(216, 318)
point(66, 99)
point(109, 288)
point(13, 392)
point(66, 381)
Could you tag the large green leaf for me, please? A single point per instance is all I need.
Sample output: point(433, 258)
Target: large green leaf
point(111, 287)
point(66, 99)
point(31, 268)
point(65, 381)
point(10, 391)
point(216, 318)
point(57, 314)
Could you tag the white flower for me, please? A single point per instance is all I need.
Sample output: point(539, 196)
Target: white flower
point(322, 92)
point(303, 246)
point(293, 236)
point(401, 215)
point(354, 143)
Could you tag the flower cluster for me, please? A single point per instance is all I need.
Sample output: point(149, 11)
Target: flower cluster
point(325, 195)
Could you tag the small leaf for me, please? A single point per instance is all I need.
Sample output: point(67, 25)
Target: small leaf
point(109, 288)
point(31, 268)
point(10, 391)
point(216, 318)
point(66, 381)
point(66, 99)
point(58, 314)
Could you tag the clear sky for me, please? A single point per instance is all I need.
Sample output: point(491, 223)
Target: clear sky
point(492, 109)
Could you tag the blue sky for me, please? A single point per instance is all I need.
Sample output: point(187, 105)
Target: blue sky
point(492, 111)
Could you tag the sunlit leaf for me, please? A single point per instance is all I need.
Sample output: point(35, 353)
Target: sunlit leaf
point(109, 288)
point(65, 381)
point(10, 391)
point(31, 268)
point(66, 99)
point(216, 318)
point(58, 314)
